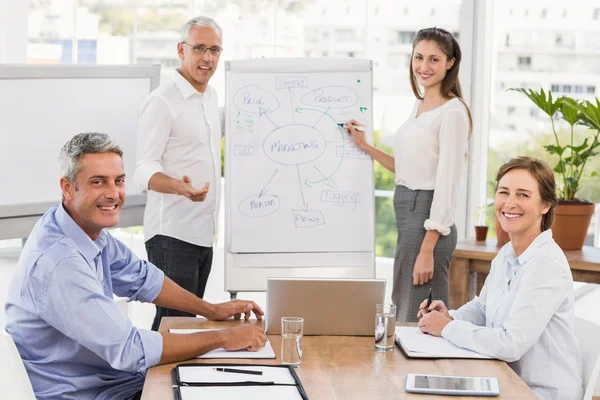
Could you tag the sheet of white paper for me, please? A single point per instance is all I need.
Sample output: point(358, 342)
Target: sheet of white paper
point(264, 352)
point(199, 373)
point(240, 392)
point(431, 346)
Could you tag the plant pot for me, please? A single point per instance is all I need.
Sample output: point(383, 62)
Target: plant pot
point(481, 233)
point(571, 223)
point(501, 235)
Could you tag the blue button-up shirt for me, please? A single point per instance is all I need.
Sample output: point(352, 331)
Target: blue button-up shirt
point(72, 336)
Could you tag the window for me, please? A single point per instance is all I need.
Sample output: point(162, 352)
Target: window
point(524, 62)
point(596, 14)
point(517, 127)
point(403, 37)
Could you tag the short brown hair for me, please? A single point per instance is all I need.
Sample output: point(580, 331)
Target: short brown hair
point(544, 176)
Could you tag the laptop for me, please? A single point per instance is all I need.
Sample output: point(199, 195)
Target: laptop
point(337, 307)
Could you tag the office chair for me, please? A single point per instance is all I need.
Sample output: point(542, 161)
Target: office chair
point(589, 346)
point(14, 380)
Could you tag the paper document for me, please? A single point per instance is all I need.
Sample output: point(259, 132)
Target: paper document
point(240, 392)
point(199, 373)
point(421, 345)
point(264, 352)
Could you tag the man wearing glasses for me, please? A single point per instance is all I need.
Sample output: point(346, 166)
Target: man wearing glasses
point(179, 163)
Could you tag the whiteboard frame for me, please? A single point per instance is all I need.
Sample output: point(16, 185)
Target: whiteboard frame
point(248, 272)
point(17, 220)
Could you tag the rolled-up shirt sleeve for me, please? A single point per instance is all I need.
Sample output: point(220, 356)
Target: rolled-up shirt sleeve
point(453, 138)
point(74, 303)
point(131, 276)
point(154, 127)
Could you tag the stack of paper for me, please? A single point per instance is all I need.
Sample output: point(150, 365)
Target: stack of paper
point(265, 352)
point(421, 345)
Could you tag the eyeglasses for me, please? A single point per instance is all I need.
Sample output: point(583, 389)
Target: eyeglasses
point(201, 49)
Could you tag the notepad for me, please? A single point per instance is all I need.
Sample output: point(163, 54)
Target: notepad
point(240, 392)
point(416, 344)
point(264, 352)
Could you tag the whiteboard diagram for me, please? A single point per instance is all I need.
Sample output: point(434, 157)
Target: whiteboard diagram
point(298, 183)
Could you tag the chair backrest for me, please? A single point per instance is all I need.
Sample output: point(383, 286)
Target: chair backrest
point(14, 381)
point(587, 333)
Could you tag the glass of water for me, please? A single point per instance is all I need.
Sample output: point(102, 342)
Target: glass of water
point(291, 340)
point(385, 326)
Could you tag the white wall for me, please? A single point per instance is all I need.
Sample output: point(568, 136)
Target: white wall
point(13, 31)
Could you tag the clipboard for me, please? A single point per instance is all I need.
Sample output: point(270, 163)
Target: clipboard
point(192, 381)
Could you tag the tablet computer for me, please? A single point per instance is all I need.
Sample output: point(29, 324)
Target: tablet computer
point(452, 385)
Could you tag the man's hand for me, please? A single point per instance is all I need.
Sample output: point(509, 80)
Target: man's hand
point(236, 308)
point(433, 323)
point(423, 269)
point(436, 305)
point(249, 337)
point(185, 188)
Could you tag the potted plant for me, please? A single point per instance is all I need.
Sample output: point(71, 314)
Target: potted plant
point(572, 215)
point(481, 229)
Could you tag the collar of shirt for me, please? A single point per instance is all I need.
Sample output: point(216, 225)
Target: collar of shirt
point(87, 247)
point(515, 263)
point(184, 86)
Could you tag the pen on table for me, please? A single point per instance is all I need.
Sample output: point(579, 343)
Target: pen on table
point(429, 298)
point(239, 371)
point(358, 128)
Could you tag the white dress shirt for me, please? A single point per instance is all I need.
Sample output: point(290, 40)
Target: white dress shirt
point(524, 316)
point(179, 133)
point(429, 153)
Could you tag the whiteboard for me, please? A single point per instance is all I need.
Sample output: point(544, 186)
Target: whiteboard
point(41, 108)
point(299, 196)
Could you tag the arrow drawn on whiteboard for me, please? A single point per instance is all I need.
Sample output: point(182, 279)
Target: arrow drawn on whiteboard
point(262, 112)
point(265, 188)
point(327, 180)
point(304, 203)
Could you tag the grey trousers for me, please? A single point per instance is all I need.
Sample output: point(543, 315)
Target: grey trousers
point(412, 208)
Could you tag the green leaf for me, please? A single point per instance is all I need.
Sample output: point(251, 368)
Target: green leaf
point(590, 114)
point(569, 110)
point(540, 99)
point(579, 148)
point(560, 167)
point(552, 149)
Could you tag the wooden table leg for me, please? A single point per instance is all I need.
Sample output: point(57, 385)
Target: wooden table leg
point(459, 282)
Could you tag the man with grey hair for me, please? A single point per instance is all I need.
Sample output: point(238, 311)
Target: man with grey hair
point(179, 163)
point(72, 336)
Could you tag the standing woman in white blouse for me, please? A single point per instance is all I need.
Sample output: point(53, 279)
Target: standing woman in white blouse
point(429, 153)
point(524, 314)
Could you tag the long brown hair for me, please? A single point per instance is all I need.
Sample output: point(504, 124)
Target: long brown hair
point(449, 46)
point(544, 176)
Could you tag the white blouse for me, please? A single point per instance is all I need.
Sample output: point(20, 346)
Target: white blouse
point(429, 153)
point(524, 315)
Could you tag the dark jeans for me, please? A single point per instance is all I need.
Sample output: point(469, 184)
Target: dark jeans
point(186, 264)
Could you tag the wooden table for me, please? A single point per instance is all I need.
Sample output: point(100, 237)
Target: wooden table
point(347, 367)
point(471, 262)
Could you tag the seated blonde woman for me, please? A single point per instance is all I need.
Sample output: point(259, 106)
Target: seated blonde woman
point(524, 313)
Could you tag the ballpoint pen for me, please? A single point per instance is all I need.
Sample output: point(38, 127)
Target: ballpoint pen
point(239, 371)
point(429, 298)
